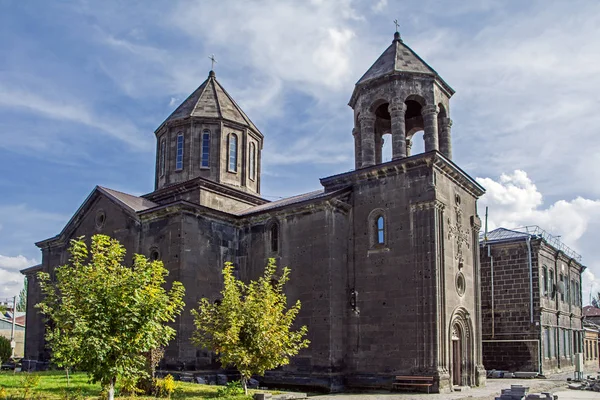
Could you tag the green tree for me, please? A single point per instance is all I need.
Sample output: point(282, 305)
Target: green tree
point(103, 315)
point(22, 302)
point(251, 327)
point(5, 349)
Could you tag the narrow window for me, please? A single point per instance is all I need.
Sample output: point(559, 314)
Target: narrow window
point(232, 152)
point(545, 280)
point(252, 163)
point(551, 284)
point(274, 232)
point(380, 230)
point(179, 158)
point(162, 156)
point(205, 149)
point(563, 287)
point(547, 342)
point(577, 294)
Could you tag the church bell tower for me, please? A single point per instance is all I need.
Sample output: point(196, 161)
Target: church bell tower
point(400, 95)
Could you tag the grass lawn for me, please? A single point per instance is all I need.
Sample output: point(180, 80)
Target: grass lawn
point(53, 385)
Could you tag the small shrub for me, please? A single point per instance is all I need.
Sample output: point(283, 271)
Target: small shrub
point(129, 387)
point(72, 395)
point(28, 383)
point(233, 388)
point(5, 349)
point(164, 387)
point(3, 393)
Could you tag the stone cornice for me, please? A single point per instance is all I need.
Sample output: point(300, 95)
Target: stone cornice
point(211, 120)
point(401, 166)
point(398, 75)
point(200, 182)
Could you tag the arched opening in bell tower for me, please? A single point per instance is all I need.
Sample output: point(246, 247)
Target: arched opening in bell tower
point(415, 142)
point(383, 132)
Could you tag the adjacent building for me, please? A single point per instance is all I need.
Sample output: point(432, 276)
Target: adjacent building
point(531, 301)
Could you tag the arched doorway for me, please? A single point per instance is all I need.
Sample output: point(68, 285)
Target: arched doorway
point(462, 349)
point(457, 349)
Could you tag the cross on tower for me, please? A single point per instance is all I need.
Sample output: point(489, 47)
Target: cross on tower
point(213, 61)
point(396, 23)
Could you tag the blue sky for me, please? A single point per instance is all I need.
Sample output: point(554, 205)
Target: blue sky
point(83, 85)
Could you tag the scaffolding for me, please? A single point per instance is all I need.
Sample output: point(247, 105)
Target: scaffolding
point(534, 232)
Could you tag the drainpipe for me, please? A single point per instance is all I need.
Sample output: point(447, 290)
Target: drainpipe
point(530, 277)
point(489, 249)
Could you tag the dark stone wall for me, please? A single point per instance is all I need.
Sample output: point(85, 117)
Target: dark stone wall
point(511, 356)
point(218, 170)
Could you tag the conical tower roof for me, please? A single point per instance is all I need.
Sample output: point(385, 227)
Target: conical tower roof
point(211, 100)
point(398, 58)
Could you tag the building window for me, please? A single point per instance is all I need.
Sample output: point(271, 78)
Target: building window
point(232, 152)
point(380, 230)
point(205, 163)
point(547, 343)
point(252, 163)
point(274, 238)
point(545, 280)
point(577, 295)
point(162, 156)
point(179, 158)
point(551, 284)
point(563, 288)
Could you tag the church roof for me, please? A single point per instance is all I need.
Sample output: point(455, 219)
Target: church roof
point(284, 202)
point(134, 203)
point(211, 100)
point(398, 58)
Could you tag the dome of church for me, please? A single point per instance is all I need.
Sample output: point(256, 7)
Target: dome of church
point(211, 100)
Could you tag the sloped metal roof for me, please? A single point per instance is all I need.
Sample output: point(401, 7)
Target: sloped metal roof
point(134, 203)
point(211, 100)
point(284, 202)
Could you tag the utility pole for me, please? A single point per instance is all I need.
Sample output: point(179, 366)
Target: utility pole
point(13, 343)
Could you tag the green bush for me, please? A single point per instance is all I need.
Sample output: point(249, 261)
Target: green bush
point(164, 387)
point(5, 350)
point(233, 388)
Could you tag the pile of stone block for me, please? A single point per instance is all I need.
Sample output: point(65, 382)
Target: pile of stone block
point(498, 374)
point(590, 383)
point(519, 392)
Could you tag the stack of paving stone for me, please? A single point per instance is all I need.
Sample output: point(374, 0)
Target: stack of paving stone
point(519, 392)
point(587, 384)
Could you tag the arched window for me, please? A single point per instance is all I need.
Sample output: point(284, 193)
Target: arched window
point(380, 230)
point(179, 158)
point(162, 154)
point(205, 163)
point(232, 152)
point(252, 162)
point(274, 238)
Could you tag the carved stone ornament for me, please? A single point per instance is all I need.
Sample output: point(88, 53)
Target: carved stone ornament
point(461, 235)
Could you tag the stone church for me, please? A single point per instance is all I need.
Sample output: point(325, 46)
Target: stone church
point(384, 258)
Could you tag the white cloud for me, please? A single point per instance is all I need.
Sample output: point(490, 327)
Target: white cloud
point(16, 263)
point(11, 280)
point(515, 201)
point(380, 6)
point(58, 108)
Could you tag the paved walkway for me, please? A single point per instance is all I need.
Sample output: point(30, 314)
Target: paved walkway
point(555, 384)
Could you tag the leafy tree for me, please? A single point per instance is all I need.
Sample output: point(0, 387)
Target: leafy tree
point(5, 349)
point(103, 315)
point(22, 302)
point(251, 327)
